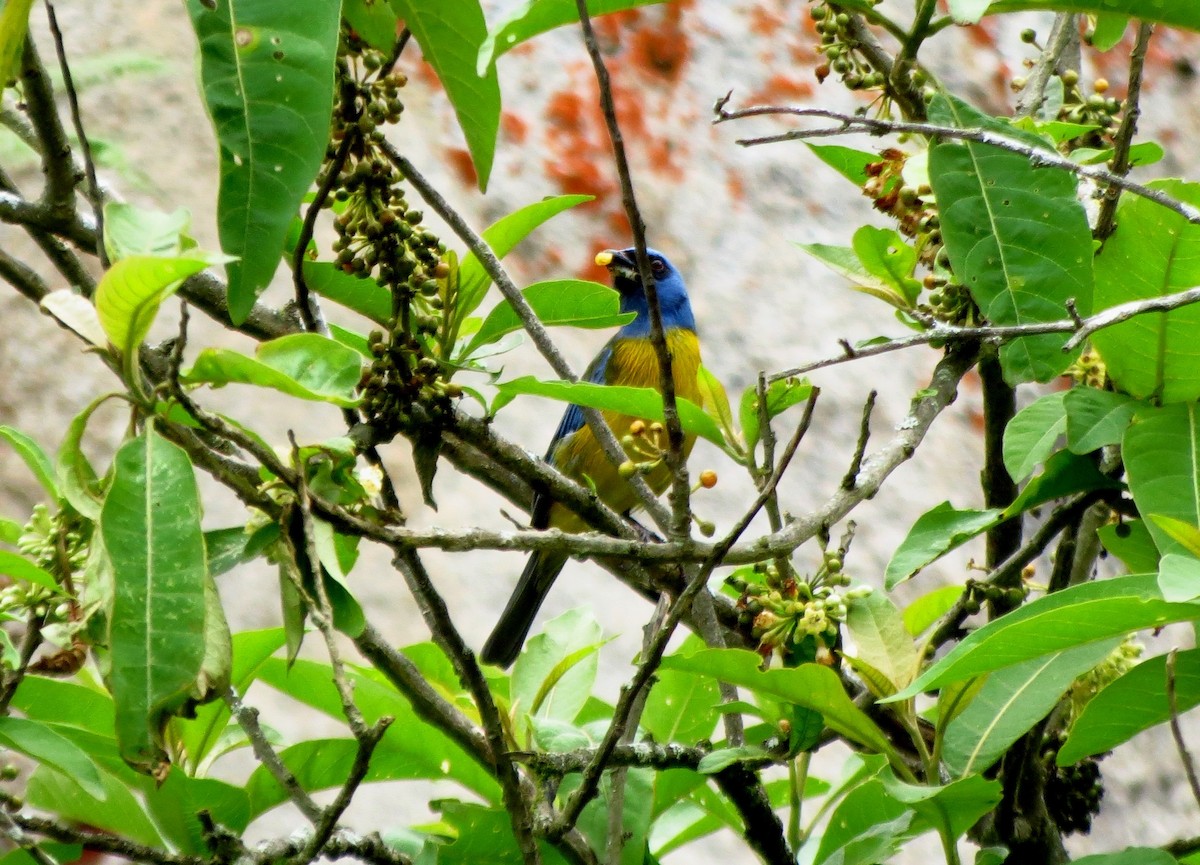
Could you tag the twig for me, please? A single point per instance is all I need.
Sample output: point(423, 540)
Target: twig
point(761, 826)
point(860, 448)
point(22, 277)
point(310, 312)
point(1123, 138)
point(89, 164)
point(999, 488)
point(1062, 35)
point(529, 320)
point(444, 632)
point(59, 194)
point(1038, 157)
point(680, 497)
point(653, 654)
point(247, 718)
point(29, 645)
point(367, 743)
point(1185, 756)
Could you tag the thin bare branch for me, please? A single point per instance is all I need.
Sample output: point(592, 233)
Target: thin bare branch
point(1185, 756)
point(1123, 138)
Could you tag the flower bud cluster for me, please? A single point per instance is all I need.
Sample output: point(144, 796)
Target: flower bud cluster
point(1119, 662)
point(841, 51)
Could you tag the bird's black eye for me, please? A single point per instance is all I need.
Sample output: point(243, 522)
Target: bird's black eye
point(657, 267)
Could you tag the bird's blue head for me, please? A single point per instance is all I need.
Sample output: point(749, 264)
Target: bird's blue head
point(672, 293)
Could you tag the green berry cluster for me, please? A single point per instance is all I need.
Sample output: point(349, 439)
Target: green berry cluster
point(976, 594)
point(1119, 662)
point(841, 51)
point(786, 613)
point(381, 237)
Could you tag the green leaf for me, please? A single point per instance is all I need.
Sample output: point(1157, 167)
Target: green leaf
point(130, 230)
point(1130, 856)
point(955, 807)
point(1010, 702)
point(76, 478)
point(33, 456)
point(304, 365)
point(118, 811)
point(502, 236)
point(374, 20)
point(1130, 541)
point(968, 11)
point(1032, 435)
point(888, 257)
point(809, 685)
point(14, 24)
point(781, 395)
point(877, 629)
point(1179, 577)
point(41, 743)
point(566, 302)
point(716, 402)
point(866, 827)
point(132, 290)
point(483, 836)
point(1135, 702)
point(533, 17)
point(874, 278)
point(935, 533)
point(151, 528)
point(1161, 450)
point(1096, 418)
point(1174, 13)
point(999, 214)
point(450, 33)
point(18, 567)
point(641, 402)
point(1065, 474)
point(1109, 30)
point(267, 75)
point(553, 677)
point(1073, 617)
point(681, 707)
point(361, 294)
point(723, 758)
point(931, 606)
point(1156, 252)
point(846, 161)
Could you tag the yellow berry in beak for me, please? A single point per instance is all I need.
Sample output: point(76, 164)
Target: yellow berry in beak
point(604, 259)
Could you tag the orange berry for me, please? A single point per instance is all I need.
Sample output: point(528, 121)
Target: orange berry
point(637, 428)
point(708, 479)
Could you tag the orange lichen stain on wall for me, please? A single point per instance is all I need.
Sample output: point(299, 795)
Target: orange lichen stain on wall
point(461, 164)
point(781, 88)
point(514, 128)
point(736, 186)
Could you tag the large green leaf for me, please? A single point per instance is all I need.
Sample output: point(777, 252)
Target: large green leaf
point(304, 365)
point(681, 707)
point(1032, 435)
point(571, 302)
point(1017, 237)
point(450, 33)
point(880, 639)
point(502, 236)
point(132, 290)
point(1161, 450)
point(1096, 418)
point(151, 528)
point(934, 534)
point(643, 402)
point(534, 17)
point(810, 685)
point(1073, 617)
point(41, 743)
point(1132, 703)
point(1010, 702)
point(1154, 252)
point(553, 678)
point(117, 811)
point(267, 74)
point(1176, 13)
point(131, 230)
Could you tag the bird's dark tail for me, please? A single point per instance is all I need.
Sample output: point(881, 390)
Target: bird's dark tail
point(508, 636)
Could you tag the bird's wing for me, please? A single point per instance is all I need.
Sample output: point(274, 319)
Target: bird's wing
point(572, 421)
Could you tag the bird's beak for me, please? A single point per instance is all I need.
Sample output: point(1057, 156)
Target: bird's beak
point(618, 263)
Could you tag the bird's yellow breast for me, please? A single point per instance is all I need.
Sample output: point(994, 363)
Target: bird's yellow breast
point(633, 363)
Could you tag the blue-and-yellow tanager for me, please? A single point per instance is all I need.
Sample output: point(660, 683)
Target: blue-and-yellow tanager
point(628, 359)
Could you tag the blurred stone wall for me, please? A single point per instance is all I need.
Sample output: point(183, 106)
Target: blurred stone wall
point(728, 216)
